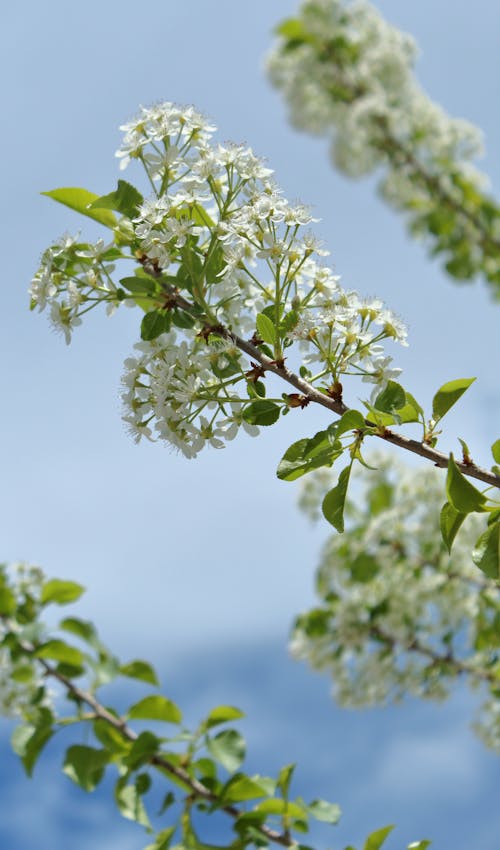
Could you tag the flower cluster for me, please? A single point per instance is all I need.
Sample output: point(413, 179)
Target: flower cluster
point(176, 389)
point(397, 614)
point(348, 74)
point(19, 680)
point(216, 246)
point(72, 278)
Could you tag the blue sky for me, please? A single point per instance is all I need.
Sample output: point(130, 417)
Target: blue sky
point(163, 544)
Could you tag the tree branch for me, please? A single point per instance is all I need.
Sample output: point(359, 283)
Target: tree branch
point(196, 787)
point(338, 407)
point(459, 667)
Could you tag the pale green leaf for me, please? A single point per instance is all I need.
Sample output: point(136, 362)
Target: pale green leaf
point(448, 395)
point(80, 201)
point(156, 707)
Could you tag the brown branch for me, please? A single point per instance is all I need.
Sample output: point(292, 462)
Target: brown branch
point(196, 787)
point(458, 666)
point(338, 407)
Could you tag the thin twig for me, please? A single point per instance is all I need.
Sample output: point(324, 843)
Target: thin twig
point(460, 667)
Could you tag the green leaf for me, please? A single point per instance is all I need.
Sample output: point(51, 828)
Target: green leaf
point(8, 602)
point(182, 319)
point(364, 567)
point(156, 707)
point(324, 811)
point(419, 845)
point(380, 497)
point(163, 839)
point(377, 838)
point(289, 321)
point(447, 395)
point(450, 521)
point(334, 501)
point(80, 201)
point(111, 738)
point(266, 329)
point(28, 741)
point(139, 285)
point(351, 420)
point(105, 668)
point(129, 801)
point(140, 670)
point(155, 323)
point(85, 765)
point(144, 746)
point(125, 200)
point(241, 787)
point(308, 454)
point(228, 748)
point(461, 493)
point(57, 650)
point(22, 673)
point(392, 398)
point(292, 29)
point(195, 212)
point(61, 592)
point(495, 451)
point(83, 629)
point(222, 714)
point(486, 553)
point(262, 412)
point(284, 779)
point(411, 410)
point(276, 806)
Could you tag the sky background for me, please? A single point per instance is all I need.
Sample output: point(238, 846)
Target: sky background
point(174, 570)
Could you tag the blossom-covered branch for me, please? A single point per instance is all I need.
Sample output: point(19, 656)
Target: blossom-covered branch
point(232, 291)
point(397, 613)
point(348, 74)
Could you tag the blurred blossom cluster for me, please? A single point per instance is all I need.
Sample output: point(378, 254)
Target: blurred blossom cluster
point(20, 680)
point(218, 231)
point(347, 74)
point(397, 614)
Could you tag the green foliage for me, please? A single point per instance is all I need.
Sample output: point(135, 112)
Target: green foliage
point(377, 839)
point(486, 554)
point(450, 521)
point(29, 740)
point(325, 64)
point(462, 495)
point(228, 748)
point(81, 201)
point(391, 399)
point(321, 450)
point(155, 323)
point(155, 707)
point(189, 761)
point(396, 614)
point(125, 200)
point(85, 765)
point(263, 412)
point(334, 501)
point(448, 395)
point(141, 670)
point(266, 329)
point(61, 592)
